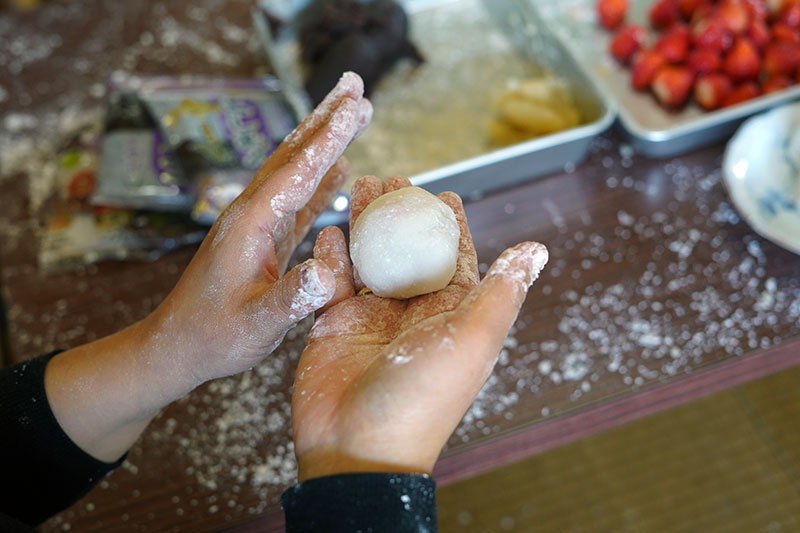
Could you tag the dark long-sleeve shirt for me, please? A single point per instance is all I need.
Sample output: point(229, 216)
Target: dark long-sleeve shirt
point(362, 502)
point(43, 472)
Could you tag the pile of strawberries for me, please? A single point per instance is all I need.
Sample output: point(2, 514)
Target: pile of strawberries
point(722, 51)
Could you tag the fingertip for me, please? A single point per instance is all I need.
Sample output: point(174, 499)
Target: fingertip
point(364, 191)
point(329, 239)
point(365, 183)
point(453, 201)
point(317, 284)
point(451, 198)
point(394, 183)
point(351, 83)
point(521, 263)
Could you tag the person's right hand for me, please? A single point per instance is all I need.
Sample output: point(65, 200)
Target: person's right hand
point(233, 304)
point(383, 383)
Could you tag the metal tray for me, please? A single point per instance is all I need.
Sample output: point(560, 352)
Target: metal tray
point(653, 130)
point(492, 169)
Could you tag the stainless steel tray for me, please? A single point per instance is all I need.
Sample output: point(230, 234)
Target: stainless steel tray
point(492, 169)
point(653, 130)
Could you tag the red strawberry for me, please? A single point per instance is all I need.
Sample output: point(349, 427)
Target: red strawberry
point(689, 7)
point(712, 89)
point(757, 9)
point(758, 32)
point(611, 13)
point(703, 60)
point(627, 41)
point(734, 16)
point(664, 13)
point(645, 65)
point(797, 76)
point(784, 32)
point(674, 43)
point(781, 58)
point(742, 62)
point(776, 83)
point(709, 33)
point(672, 85)
point(791, 15)
point(703, 12)
point(741, 93)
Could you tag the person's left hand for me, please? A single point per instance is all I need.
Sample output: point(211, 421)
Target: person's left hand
point(382, 383)
point(233, 304)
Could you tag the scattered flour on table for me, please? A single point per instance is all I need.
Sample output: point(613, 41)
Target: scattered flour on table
point(37, 116)
point(240, 433)
point(28, 144)
point(719, 295)
point(696, 289)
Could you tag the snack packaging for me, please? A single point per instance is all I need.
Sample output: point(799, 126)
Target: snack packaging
point(185, 144)
point(77, 233)
point(137, 171)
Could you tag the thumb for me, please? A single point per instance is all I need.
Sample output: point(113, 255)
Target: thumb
point(490, 310)
point(506, 283)
point(300, 292)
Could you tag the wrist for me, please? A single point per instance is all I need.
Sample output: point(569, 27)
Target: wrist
point(103, 394)
point(323, 463)
point(164, 357)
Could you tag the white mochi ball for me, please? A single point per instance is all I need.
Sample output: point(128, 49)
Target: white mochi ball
point(405, 243)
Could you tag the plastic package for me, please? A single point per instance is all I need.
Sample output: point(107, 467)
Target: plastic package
point(188, 144)
point(78, 234)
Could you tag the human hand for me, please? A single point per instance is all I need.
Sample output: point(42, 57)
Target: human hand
point(383, 383)
point(233, 305)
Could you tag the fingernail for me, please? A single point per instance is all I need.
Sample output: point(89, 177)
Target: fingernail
point(341, 87)
point(524, 262)
point(351, 78)
point(310, 281)
point(539, 255)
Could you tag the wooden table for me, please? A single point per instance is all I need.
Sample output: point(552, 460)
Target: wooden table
point(655, 294)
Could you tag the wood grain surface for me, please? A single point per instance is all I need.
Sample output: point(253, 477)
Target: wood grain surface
point(654, 287)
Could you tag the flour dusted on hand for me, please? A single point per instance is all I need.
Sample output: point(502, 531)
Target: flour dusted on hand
point(405, 244)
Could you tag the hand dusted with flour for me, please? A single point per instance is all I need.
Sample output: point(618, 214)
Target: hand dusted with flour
point(233, 291)
point(382, 383)
point(233, 305)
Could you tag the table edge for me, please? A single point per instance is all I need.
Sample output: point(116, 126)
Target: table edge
point(570, 427)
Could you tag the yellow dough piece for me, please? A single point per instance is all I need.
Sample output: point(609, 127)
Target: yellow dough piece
point(533, 107)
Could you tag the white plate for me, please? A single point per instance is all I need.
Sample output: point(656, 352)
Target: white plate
point(761, 170)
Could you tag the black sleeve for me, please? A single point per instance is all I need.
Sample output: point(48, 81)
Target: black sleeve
point(43, 471)
point(362, 502)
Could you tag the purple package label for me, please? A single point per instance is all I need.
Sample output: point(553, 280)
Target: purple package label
point(254, 129)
